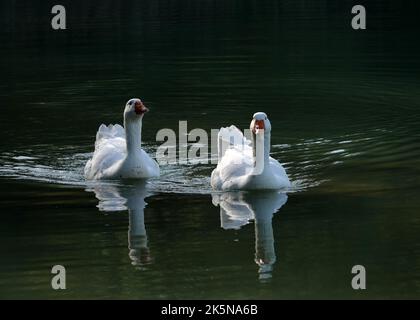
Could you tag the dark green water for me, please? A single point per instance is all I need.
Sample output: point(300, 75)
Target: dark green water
point(345, 111)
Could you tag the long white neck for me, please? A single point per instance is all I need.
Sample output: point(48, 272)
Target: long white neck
point(133, 134)
point(261, 147)
point(267, 146)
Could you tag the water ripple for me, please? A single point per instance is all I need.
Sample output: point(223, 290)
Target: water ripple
point(307, 161)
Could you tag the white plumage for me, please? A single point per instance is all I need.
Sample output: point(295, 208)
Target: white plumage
point(247, 165)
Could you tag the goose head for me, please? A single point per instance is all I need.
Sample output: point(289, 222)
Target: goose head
point(260, 123)
point(134, 109)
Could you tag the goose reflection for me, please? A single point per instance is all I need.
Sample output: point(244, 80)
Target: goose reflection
point(238, 208)
point(129, 197)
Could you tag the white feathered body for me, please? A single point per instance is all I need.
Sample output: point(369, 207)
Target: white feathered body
point(235, 169)
point(110, 159)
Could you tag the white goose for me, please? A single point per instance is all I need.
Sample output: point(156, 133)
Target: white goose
point(248, 167)
point(118, 153)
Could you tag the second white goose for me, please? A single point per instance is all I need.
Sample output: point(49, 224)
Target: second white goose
point(247, 165)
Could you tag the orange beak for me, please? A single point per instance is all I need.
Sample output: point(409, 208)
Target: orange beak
point(140, 108)
point(258, 125)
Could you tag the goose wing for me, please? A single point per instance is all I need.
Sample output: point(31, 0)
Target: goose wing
point(110, 147)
